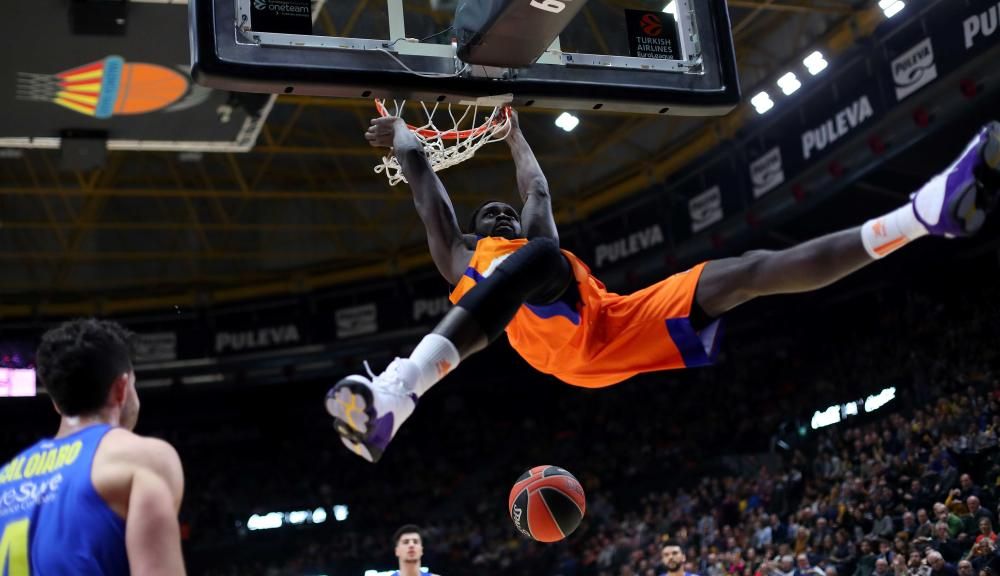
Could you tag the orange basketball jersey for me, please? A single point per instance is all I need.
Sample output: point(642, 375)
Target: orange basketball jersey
point(607, 337)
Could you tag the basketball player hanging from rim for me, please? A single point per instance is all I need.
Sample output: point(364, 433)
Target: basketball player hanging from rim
point(509, 274)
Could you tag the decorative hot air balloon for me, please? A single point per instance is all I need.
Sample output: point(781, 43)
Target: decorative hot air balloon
point(106, 88)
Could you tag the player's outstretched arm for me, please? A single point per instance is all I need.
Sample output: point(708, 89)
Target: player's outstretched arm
point(152, 532)
point(536, 216)
point(444, 236)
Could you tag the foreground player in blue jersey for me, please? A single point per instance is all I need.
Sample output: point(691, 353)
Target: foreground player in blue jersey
point(96, 499)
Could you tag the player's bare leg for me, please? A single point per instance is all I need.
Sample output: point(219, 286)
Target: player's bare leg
point(953, 203)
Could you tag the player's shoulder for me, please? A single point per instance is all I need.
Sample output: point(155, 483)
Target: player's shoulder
point(142, 446)
point(124, 446)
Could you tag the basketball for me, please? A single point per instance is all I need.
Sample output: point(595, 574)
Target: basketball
point(547, 503)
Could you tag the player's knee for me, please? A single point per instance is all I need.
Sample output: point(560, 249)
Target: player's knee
point(546, 250)
point(555, 266)
point(536, 259)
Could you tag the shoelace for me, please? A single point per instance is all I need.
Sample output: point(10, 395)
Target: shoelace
point(389, 381)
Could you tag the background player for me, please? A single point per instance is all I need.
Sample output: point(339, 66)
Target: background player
point(96, 498)
point(409, 550)
point(511, 275)
point(673, 560)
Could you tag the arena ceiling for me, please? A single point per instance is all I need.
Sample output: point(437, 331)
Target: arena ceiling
point(305, 209)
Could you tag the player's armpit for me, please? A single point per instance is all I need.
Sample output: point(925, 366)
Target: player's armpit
point(152, 532)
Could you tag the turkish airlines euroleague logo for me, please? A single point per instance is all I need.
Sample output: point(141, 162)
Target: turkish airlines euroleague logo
point(651, 25)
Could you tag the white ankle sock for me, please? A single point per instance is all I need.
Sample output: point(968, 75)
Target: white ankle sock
point(435, 357)
point(886, 234)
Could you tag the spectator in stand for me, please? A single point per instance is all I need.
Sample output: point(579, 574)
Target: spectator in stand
point(821, 531)
point(842, 555)
point(938, 566)
point(859, 522)
point(714, 566)
point(942, 514)
point(900, 547)
point(885, 550)
point(802, 540)
point(909, 525)
point(947, 477)
point(967, 488)
point(779, 531)
point(887, 496)
point(986, 530)
point(762, 535)
point(943, 543)
point(883, 525)
point(784, 567)
point(925, 528)
point(899, 567)
point(917, 565)
point(916, 497)
point(881, 567)
point(976, 509)
point(866, 559)
point(805, 568)
point(983, 554)
point(965, 568)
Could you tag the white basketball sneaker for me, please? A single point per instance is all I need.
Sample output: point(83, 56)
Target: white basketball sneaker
point(368, 410)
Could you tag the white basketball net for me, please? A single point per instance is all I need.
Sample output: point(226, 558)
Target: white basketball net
point(446, 148)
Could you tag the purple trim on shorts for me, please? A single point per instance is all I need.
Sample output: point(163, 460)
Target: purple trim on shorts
point(711, 336)
point(697, 349)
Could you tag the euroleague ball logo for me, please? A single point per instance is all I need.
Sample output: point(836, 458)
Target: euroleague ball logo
point(516, 515)
point(651, 25)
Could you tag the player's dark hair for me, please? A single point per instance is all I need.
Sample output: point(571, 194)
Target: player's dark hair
point(475, 215)
point(406, 529)
point(79, 360)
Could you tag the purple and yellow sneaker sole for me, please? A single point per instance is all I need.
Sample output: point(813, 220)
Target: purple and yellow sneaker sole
point(352, 406)
point(971, 187)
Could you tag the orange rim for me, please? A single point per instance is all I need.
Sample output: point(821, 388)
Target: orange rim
point(449, 134)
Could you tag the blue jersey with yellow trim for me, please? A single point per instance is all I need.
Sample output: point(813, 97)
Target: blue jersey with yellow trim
point(52, 520)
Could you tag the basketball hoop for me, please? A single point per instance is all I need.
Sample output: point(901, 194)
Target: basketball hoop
point(445, 148)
